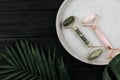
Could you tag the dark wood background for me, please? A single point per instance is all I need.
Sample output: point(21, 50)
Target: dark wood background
point(35, 19)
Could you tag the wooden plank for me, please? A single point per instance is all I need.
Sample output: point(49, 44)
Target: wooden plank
point(29, 4)
point(41, 41)
point(28, 24)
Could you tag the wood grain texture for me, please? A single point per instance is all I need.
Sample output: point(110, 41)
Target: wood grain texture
point(7, 5)
point(35, 19)
point(27, 24)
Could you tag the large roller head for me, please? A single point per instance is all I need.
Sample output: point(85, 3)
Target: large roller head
point(68, 21)
point(89, 19)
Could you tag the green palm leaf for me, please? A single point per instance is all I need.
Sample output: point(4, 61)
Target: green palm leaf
point(112, 70)
point(30, 62)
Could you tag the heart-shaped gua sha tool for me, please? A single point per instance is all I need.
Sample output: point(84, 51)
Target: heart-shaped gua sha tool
point(90, 21)
point(93, 53)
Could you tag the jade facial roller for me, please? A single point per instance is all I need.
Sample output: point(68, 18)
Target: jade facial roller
point(90, 21)
point(70, 21)
point(67, 24)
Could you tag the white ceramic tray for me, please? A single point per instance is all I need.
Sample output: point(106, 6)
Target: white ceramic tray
point(109, 23)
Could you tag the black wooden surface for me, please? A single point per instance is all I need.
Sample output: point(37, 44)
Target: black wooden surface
point(35, 19)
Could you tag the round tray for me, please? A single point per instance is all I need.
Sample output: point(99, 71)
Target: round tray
point(109, 23)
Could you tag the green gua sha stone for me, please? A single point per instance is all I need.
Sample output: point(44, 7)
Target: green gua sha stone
point(95, 54)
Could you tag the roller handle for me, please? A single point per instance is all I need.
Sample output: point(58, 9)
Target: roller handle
point(102, 37)
point(83, 38)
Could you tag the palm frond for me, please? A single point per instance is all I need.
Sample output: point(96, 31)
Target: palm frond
point(30, 62)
